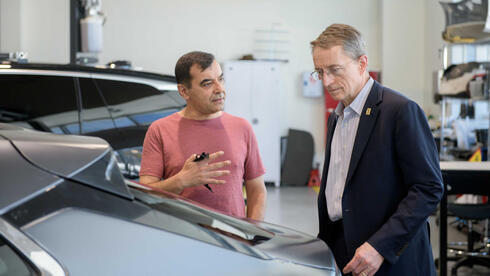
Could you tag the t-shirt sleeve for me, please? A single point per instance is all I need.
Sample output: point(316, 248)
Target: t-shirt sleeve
point(152, 162)
point(253, 163)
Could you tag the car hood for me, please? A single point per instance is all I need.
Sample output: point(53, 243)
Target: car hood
point(261, 239)
point(291, 245)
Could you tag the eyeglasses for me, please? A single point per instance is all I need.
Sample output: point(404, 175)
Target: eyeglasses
point(332, 70)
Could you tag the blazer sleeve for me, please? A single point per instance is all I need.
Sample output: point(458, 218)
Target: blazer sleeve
point(418, 161)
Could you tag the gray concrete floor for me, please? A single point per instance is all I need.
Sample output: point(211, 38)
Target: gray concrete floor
point(293, 207)
point(296, 207)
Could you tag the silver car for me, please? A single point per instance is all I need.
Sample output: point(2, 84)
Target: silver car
point(65, 209)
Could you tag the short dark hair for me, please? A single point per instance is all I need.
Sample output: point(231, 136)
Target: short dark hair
point(346, 36)
point(185, 62)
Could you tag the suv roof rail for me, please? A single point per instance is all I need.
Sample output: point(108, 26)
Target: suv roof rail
point(103, 69)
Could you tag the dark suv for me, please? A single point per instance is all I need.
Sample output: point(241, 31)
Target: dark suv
point(117, 105)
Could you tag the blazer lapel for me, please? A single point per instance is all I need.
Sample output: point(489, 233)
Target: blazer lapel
point(366, 125)
point(332, 122)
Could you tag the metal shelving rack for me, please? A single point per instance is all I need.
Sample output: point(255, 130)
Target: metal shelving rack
point(445, 100)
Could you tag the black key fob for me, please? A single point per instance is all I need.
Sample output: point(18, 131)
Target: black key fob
point(201, 157)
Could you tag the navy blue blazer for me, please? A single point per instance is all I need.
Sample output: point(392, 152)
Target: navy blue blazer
point(393, 184)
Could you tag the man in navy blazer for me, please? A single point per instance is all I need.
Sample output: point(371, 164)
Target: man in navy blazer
point(381, 177)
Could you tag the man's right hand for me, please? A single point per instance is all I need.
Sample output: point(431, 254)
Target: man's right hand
point(202, 172)
point(192, 174)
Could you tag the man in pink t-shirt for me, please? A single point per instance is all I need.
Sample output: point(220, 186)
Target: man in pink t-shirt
point(172, 144)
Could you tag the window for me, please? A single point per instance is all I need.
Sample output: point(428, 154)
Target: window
point(482, 53)
point(95, 115)
point(129, 161)
point(45, 103)
point(462, 53)
point(133, 107)
point(11, 263)
point(132, 100)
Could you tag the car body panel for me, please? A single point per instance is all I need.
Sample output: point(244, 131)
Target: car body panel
point(277, 241)
point(300, 248)
point(94, 239)
point(78, 153)
point(44, 262)
point(19, 180)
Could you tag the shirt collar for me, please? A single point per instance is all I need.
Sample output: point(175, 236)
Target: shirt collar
point(359, 101)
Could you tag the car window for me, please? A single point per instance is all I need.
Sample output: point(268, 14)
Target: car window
point(46, 103)
point(129, 161)
point(133, 107)
point(135, 104)
point(95, 117)
point(11, 263)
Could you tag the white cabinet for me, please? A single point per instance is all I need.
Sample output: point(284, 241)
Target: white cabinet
point(252, 92)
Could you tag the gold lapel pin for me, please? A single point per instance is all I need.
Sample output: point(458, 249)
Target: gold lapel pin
point(368, 111)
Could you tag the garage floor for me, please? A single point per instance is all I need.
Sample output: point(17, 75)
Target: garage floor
point(296, 207)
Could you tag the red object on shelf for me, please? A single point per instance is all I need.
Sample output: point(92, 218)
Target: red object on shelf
point(314, 179)
point(376, 75)
point(330, 105)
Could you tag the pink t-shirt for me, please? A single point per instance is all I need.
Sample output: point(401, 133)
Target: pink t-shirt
point(171, 140)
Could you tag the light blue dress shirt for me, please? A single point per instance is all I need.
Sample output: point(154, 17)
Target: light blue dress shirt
point(341, 150)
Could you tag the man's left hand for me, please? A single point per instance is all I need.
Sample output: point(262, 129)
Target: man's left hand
point(366, 261)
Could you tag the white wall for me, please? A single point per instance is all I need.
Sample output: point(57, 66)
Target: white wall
point(404, 26)
point(402, 36)
point(155, 33)
point(10, 27)
point(435, 23)
point(46, 30)
point(40, 28)
point(412, 42)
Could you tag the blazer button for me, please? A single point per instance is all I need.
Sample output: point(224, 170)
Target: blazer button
point(347, 210)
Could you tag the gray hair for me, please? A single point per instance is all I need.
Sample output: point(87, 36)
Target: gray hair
point(346, 36)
